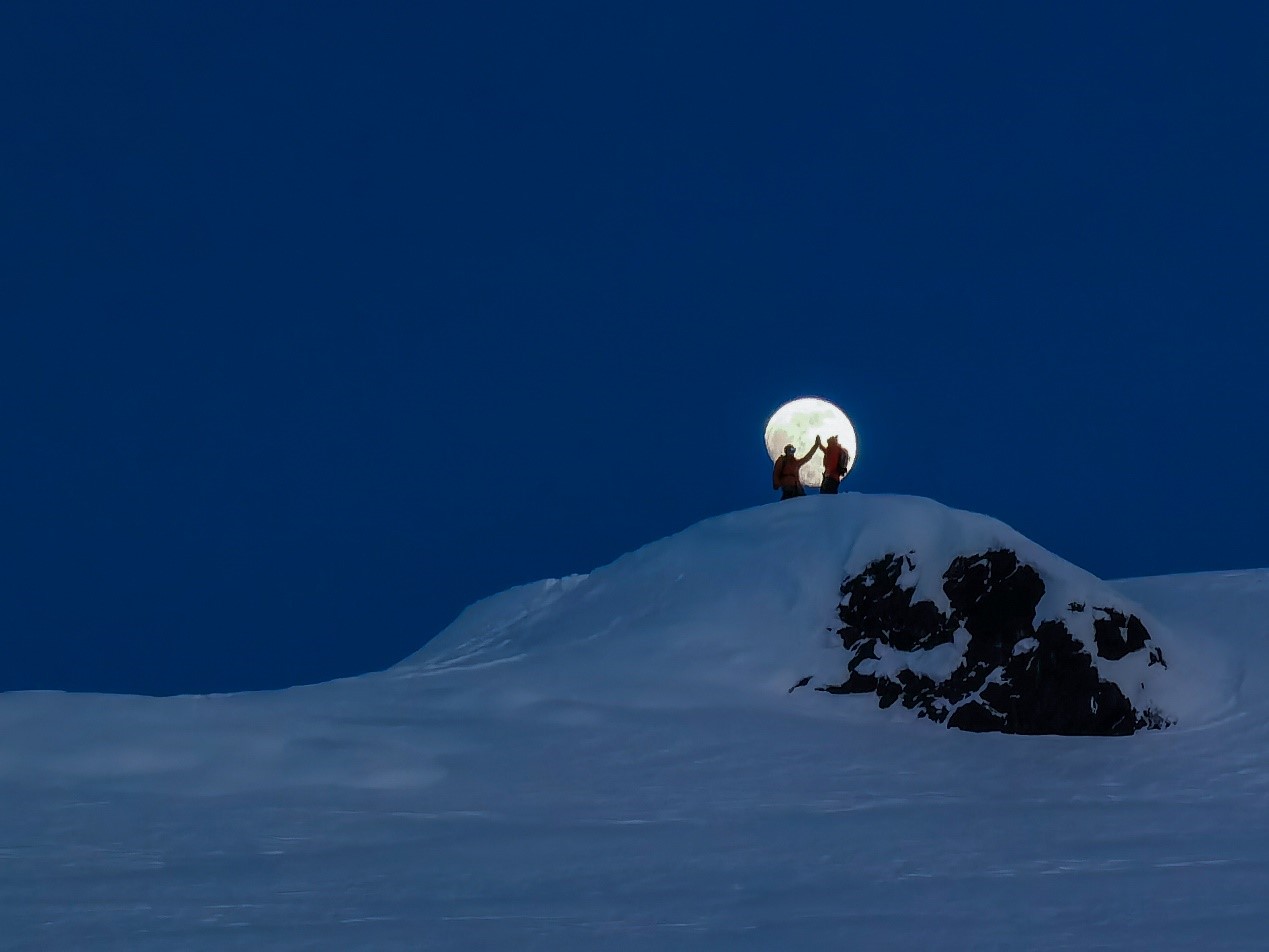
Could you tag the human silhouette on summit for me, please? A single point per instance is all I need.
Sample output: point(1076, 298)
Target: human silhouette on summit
point(785, 474)
point(836, 465)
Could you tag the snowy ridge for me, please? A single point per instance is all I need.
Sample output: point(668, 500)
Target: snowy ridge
point(744, 604)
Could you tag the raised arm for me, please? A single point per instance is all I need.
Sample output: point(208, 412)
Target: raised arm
point(811, 452)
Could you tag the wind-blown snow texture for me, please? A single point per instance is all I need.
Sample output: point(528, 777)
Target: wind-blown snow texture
point(614, 762)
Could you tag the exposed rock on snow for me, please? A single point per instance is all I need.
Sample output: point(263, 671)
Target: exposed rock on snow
point(984, 661)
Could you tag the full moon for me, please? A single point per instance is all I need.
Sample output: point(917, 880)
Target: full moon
point(799, 422)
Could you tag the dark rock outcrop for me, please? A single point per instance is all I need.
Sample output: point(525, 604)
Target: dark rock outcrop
point(999, 670)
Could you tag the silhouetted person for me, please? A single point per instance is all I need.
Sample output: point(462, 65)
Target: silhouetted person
point(785, 474)
point(836, 463)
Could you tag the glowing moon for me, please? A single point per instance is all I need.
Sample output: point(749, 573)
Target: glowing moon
point(799, 422)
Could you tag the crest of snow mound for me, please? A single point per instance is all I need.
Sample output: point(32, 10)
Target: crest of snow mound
point(950, 614)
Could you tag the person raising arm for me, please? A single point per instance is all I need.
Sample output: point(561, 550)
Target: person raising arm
point(836, 463)
point(786, 474)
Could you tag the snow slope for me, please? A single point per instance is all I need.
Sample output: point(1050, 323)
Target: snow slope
point(614, 762)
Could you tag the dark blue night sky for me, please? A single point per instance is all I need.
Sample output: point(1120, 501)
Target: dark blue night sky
point(322, 321)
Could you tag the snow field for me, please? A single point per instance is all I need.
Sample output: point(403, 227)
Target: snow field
point(614, 762)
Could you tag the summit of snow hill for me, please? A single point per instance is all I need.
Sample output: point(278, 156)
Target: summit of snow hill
point(918, 610)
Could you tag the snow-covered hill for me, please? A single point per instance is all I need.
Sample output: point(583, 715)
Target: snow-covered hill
point(615, 761)
point(744, 606)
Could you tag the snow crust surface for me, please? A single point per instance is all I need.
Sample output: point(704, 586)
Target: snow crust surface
point(614, 761)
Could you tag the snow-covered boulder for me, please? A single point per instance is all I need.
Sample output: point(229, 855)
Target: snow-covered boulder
point(986, 660)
